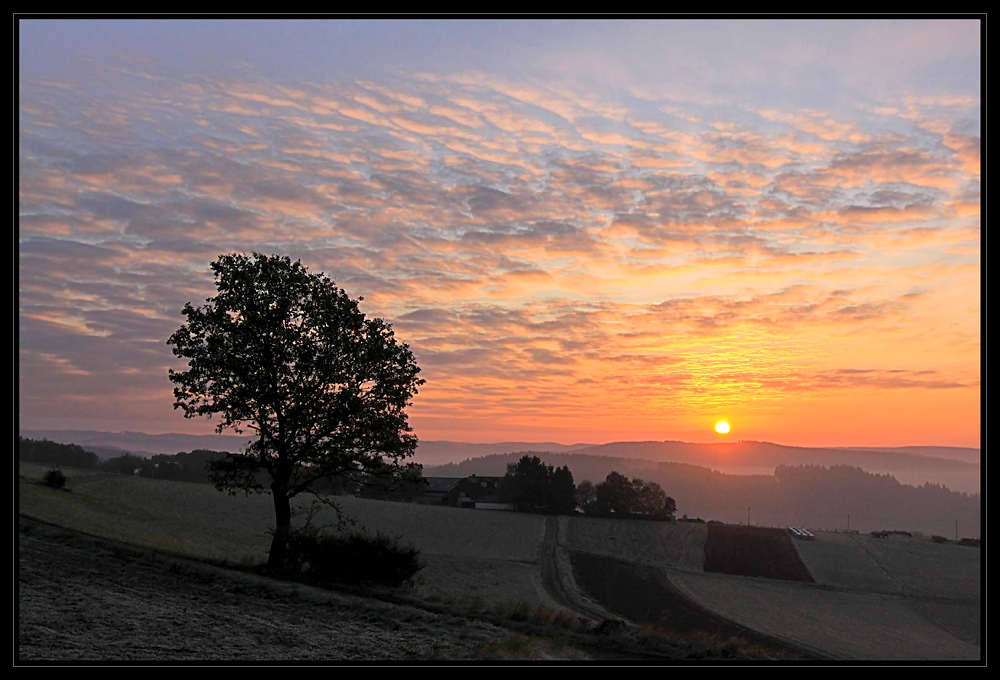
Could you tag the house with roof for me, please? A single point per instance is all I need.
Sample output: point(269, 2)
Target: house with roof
point(475, 492)
point(482, 493)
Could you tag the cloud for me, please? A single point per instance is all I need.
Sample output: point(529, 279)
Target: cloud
point(525, 237)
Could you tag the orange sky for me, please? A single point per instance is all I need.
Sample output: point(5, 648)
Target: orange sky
point(571, 257)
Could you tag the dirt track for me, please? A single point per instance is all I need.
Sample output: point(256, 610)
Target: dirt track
point(642, 594)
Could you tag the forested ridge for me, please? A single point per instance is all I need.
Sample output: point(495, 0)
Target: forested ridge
point(183, 466)
point(811, 495)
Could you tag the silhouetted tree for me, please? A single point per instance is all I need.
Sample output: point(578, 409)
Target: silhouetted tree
point(526, 484)
point(289, 355)
point(651, 500)
point(562, 492)
point(586, 496)
point(125, 464)
point(52, 453)
point(532, 486)
point(616, 496)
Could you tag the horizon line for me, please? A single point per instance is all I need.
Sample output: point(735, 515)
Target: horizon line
point(575, 444)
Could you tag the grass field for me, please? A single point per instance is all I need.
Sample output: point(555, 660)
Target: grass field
point(486, 559)
point(897, 598)
point(182, 517)
point(927, 569)
point(838, 561)
point(680, 545)
point(847, 625)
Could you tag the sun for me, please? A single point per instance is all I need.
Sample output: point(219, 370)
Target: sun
point(722, 427)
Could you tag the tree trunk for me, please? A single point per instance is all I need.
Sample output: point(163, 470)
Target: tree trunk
point(277, 558)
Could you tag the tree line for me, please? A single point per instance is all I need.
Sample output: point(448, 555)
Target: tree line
point(182, 467)
point(50, 453)
point(532, 486)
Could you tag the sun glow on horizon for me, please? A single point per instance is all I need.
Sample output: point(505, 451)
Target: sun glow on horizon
point(722, 427)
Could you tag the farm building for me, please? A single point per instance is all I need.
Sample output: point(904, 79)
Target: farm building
point(477, 492)
point(482, 493)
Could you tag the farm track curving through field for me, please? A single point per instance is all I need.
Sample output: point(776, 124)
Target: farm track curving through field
point(645, 595)
point(602, 588)
point(82, 597)
point(557, 576)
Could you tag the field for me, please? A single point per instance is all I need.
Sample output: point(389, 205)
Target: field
point(486, 574)
point(839, 624)
point(940, 581)
point(678, 545)
point(82, 599)
point(753, 551)
point(642, 594)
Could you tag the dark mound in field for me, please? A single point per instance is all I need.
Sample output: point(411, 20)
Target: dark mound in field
point(753, 551)
point(642, 595)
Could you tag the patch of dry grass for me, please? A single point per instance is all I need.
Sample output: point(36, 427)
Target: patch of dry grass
point(177, 517)
point(928, 569)
point(679, 545)
point(850, 625)
point(837, 560)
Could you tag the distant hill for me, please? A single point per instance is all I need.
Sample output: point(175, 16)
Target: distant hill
point(956, 468)
point(442, 452)
point(815, 486)
point(804, 495)
point(113, 444)
point(953, 467)
point(966, 455)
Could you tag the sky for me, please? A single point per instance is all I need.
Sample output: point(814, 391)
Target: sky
point(586, 231)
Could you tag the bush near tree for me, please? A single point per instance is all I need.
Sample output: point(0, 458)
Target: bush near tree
point(353, 558)
point(55, 478)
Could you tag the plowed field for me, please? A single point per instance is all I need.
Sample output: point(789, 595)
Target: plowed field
point(642, 594)
point(753, 551)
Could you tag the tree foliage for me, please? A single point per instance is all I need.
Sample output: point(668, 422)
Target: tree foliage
point(290, 356)
point(51, 453)
point(617, 496)
point(533, 486)
point(55, 478)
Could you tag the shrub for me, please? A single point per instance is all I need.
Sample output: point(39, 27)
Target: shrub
point(355, 558)
point(55, 478)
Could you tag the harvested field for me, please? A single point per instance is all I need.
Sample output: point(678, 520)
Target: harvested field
point(924, 568)
point(474, 557)
point(837, 560)
point(481, 582)
point(753, 551)
point(679, 545)
point(961, 619)
point(642, 594)
point(83, 599)
point(896, 598)
point(848, 625)
point(453, 531)
point(189, 518)
point(481, 557)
